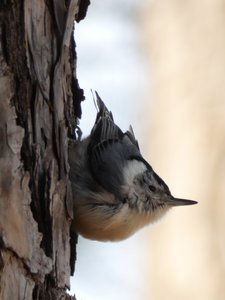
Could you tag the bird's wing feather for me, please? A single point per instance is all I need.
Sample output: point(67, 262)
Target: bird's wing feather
point(109, 149)
point(131, 136)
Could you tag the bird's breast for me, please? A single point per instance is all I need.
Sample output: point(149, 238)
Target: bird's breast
point(109, 224)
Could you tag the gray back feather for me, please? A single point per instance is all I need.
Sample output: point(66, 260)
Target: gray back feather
point(110, 149)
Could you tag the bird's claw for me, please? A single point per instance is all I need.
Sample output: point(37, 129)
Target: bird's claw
point(78, 133)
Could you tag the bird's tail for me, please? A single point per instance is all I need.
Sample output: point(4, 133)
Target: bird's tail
point(104, 128)
point(103, 111)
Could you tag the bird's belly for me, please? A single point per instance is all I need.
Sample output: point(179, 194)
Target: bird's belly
point(102, 226)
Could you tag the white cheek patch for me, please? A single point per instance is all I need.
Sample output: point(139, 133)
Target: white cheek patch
point(132, 169)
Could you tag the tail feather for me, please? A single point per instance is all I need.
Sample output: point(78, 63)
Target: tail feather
point(104, 128)
point(102, 109)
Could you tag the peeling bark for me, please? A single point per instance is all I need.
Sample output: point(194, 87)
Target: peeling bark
point(40, 100)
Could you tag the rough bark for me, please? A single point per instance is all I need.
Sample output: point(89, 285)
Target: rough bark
point(39, 102)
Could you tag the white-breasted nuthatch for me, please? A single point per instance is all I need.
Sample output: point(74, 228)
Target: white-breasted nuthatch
point(115, 191)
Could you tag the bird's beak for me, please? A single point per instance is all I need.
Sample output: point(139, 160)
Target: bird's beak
point(177, 202)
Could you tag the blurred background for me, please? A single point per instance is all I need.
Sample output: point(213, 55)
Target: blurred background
point(160, 66)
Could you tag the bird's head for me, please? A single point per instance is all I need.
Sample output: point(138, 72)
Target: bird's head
point(147, 192)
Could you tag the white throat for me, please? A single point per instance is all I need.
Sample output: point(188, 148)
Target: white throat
point(132, 169)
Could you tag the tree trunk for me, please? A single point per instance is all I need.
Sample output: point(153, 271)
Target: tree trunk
point(39, 102)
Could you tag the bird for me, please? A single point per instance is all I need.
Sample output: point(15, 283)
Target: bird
point(115, 190)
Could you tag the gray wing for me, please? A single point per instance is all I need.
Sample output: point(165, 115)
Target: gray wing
point(109, 149)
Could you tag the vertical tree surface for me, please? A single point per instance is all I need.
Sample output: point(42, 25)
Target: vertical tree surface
point(39, 100)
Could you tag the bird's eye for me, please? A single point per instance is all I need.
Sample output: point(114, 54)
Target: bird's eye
point(152, 188)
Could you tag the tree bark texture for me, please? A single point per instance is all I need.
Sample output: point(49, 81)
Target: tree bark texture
point(39, 102)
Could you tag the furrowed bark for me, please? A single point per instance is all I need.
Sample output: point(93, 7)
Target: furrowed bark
point(39, 103)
